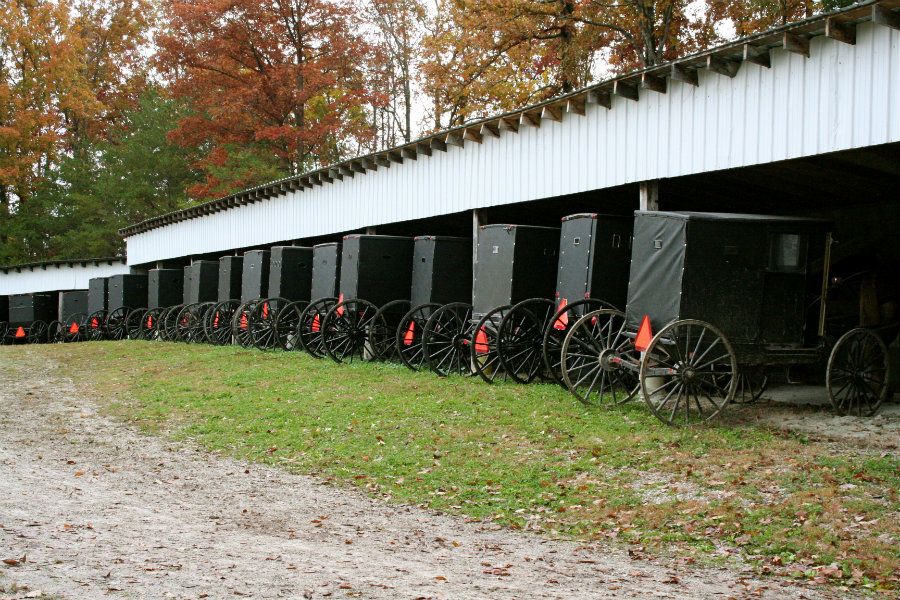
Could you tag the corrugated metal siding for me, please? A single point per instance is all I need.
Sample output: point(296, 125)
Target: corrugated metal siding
point(55, 277)
point(840, 98)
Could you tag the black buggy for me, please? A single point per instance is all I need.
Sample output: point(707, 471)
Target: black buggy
point(273, 321)
point(715, 300)
point(326, 273)
point(217, 320)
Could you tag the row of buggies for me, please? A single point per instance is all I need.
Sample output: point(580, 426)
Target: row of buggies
point(712, 304)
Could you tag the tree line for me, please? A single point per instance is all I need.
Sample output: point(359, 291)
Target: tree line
point(113, 111)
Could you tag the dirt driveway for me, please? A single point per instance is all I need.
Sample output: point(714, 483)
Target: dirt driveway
point(99, 510)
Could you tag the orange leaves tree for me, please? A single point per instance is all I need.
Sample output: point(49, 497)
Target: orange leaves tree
point(276, 87)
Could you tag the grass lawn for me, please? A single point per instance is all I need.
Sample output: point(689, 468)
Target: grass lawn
point(528, 457)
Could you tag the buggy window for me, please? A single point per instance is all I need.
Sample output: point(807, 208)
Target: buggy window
point(787, 252)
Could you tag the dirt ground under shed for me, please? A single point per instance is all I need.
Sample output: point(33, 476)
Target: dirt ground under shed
point(91, 508)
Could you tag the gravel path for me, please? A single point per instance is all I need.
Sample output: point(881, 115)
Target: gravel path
point(100, 510)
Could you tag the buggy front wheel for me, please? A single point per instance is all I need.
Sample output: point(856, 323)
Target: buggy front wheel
point(858, 373)
point(689, 373)
point(345, 330)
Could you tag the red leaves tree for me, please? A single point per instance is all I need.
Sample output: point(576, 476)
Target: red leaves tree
point(277, 87)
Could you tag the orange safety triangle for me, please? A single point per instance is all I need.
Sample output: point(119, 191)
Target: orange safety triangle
point(94, 323)
point(20, 333)
point(73, 328)
point(315, 323)
point(481, 341)
point(563, 321)
point(243, 320)
point(410, 334)
point(216, 320)
point(265, 310)
point(644, 335)
point(340, 308)
point(149, 322)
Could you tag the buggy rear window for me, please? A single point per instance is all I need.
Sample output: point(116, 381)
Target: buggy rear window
point(787, 252)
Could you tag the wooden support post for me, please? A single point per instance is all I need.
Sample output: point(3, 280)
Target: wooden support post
point(625, 90)
point(370, 230)
point(601, 97)
point(797, 44)
point(882, 15)
point(653, 82)
point(722, 66)
point(842, 32)
point(649, 195)
point(685, 74)
point(439, 144)
point(757, 56)
point(490, 129)
point(408, 153)
point(479, 218)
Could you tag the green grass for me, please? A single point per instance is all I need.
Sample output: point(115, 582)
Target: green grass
point(527, 457)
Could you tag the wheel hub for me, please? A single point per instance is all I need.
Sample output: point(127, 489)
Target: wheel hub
point(688, 374)
point(608, 360)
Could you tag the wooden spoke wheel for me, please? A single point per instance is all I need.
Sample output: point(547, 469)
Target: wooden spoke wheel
point(555, 333)
point(520, 339)
point(95, 326)
point(858, 373)
point(483, 341)
point(310, 328)
point(382, 342)
point(55, 332)
point(198, 322)
point(116, 328)
point(598, 362)
point(409, 335)
point(149, 324)
point(133, 323)
point(73, 328)
point(263, 323)
point(168, 324)
point(4, 333)
point(689, 373)
point(750, 387)
point(38, 333)
point(445, 340)
point(217, 324)
point(240, 323)
point(345, 330)
point(287, 325)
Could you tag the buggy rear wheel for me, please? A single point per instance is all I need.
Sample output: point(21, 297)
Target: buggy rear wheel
point(345, 330)
point(217, 324)
point(133, 323)
point(485, 359)
point(556, 330)
point(38, 333)
point(409, 335)
point(55, 332)
point(263, 323)
point(689, 373)
point(310, 328)
point(149, 328)
point(240, 323)
point(169, 323)
point(116, 323)
point(858, 373)
point(287, 325)
point(445, 340)
point(383, 330)
point(73, 328)
point(599, 364)
point(520, 338)
point(95, 326)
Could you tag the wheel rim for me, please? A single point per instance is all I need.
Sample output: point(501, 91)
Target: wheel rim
point(218, 322)
point(346, 330)
point(689, 373)
point(858, 373)
point(311, 323)
point(133, 323)
point(37, 333)
point(116, 323)
point(555, 333)
point(287, 325)
point(383, 330)
point(520, 339)
point(445, 340)
point(263, 323)
point(95, 325)
point(408, 341)
point(485, 359)
point(240, 324)
point(598, 362)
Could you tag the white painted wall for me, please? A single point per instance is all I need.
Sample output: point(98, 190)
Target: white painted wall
point(56, 277)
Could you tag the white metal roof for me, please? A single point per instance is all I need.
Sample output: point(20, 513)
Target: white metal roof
point(798, 91)
point(57, 275)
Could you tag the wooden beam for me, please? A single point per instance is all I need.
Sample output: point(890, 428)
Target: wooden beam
point(369, 164)
point(472, 134)
point(455, 139)
point(882, 15)
point(382, 161)
point(336, 174)
point(316, 178)
point(601, 97)
point(398, 157)
point(325, 176)
point(423, 149)
point(346, 171)
point(685, 75)
point(551, 112)
point(842, 32)
point(653, 82)
point(649, 195)
point(509, 124)
point(438, 144)
point(757, 56)
point(625, 90)
point(575, 105)
point(722, 66)
point(796, 43)
point(357, 166)
point(532, 119)
point(490, 129)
